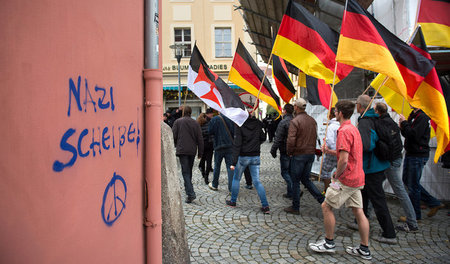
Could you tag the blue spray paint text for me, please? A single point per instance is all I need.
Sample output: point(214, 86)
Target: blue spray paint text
point(89, 142)
point(104, 101)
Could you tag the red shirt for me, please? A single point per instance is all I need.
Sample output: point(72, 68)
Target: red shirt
point(349, 140)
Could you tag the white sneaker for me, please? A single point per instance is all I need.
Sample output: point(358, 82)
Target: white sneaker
point(212, 187)
point(356, 251)
point(322, 246)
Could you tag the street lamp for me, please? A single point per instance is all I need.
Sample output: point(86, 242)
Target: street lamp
point(178, 48)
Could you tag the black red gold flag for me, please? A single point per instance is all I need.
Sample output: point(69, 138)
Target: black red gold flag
point(309, 44)
point(246, 74)
point(280, 74)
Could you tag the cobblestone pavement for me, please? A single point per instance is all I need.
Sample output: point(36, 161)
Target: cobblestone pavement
point(220, 234)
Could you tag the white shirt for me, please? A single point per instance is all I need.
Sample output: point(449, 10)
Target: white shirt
point(333, 127)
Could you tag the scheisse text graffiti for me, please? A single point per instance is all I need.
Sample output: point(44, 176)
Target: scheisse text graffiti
point(87, 142)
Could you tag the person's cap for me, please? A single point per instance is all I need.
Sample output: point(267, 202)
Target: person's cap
point(209, 111)
point(168, 111)
point(300, 103)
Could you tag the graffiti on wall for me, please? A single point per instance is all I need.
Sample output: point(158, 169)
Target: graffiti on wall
point(114, 199)
point(87, 142)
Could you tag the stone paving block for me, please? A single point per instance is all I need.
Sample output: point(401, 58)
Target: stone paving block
point(220, 234)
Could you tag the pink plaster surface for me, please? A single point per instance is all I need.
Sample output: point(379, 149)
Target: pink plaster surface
point(55, 217)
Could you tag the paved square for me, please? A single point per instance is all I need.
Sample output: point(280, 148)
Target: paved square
point(220, 234)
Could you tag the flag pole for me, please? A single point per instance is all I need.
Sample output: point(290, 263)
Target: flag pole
point(365, 91)
point(373, 98)
point(184, 103)
point(262, 82)
point(328, 119)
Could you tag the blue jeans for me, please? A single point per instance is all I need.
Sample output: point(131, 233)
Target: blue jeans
point(393, 175)
point(253, 162)
point(219, 155)
point(187, 162)
point(300, 170)
point(412, 173)
point(285, 161)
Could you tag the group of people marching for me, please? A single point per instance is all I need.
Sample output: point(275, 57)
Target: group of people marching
point(353, 171)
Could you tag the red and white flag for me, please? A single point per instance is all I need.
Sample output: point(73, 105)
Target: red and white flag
point(213, 91)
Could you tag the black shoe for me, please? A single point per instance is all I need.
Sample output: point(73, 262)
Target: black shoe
point(190, 199)
point(291, 210)
point(205, 178)
point(248, 187)
point(265, 210)
point(287, 196)
point(407, 228)
point(230, 203)
point(301, 193)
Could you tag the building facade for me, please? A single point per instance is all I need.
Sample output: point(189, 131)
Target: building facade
point(215, 27)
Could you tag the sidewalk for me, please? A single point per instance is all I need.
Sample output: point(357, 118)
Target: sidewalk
point(220, 234)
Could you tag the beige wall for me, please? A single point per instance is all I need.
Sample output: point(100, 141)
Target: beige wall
point(202, 16)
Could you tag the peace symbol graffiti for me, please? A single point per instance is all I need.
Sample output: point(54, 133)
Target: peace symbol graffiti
point(114, 199)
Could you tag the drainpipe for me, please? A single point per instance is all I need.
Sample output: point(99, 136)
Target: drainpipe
point(152, 141)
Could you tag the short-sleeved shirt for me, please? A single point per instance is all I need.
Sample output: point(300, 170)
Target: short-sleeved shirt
point(349, 140)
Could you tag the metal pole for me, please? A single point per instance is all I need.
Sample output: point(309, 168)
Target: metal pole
point(179, 84)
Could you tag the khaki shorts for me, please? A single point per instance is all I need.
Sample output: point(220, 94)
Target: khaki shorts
point(349, 196)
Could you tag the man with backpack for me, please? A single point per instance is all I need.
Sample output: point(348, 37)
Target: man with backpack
point(389, 136)
point(374, 170)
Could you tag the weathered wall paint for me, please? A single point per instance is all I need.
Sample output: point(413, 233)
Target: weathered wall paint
point(71, 98)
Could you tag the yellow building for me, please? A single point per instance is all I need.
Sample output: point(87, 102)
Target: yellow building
point(215, 26)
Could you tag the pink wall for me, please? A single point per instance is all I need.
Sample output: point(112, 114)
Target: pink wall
point(50, 212)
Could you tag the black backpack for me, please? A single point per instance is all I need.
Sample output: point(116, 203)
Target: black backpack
point(389, 145)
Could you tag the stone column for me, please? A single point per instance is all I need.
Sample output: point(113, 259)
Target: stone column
point(174, 242)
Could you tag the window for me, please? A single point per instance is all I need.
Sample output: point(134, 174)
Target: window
point(223, 42)
point(183, 36)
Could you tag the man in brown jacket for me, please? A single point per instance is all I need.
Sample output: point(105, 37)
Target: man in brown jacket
point(187, 136)
point(301, 146)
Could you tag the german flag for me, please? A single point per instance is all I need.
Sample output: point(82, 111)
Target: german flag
point(246, 74)
point(367, 44)
point(429, 97)
point(309, 44)
point(319, 93)
point(284, 84)
point(435, 21)
point(301, 79)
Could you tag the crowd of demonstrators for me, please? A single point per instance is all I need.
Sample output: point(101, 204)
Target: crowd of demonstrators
point(170, 116)
point(187, 136)
point(301, 147)
point(270, 124)
point(205, 164)
point(347, 189)
point(350, 151)
point(416, 131)
point(246, 153)
point(329, 149)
